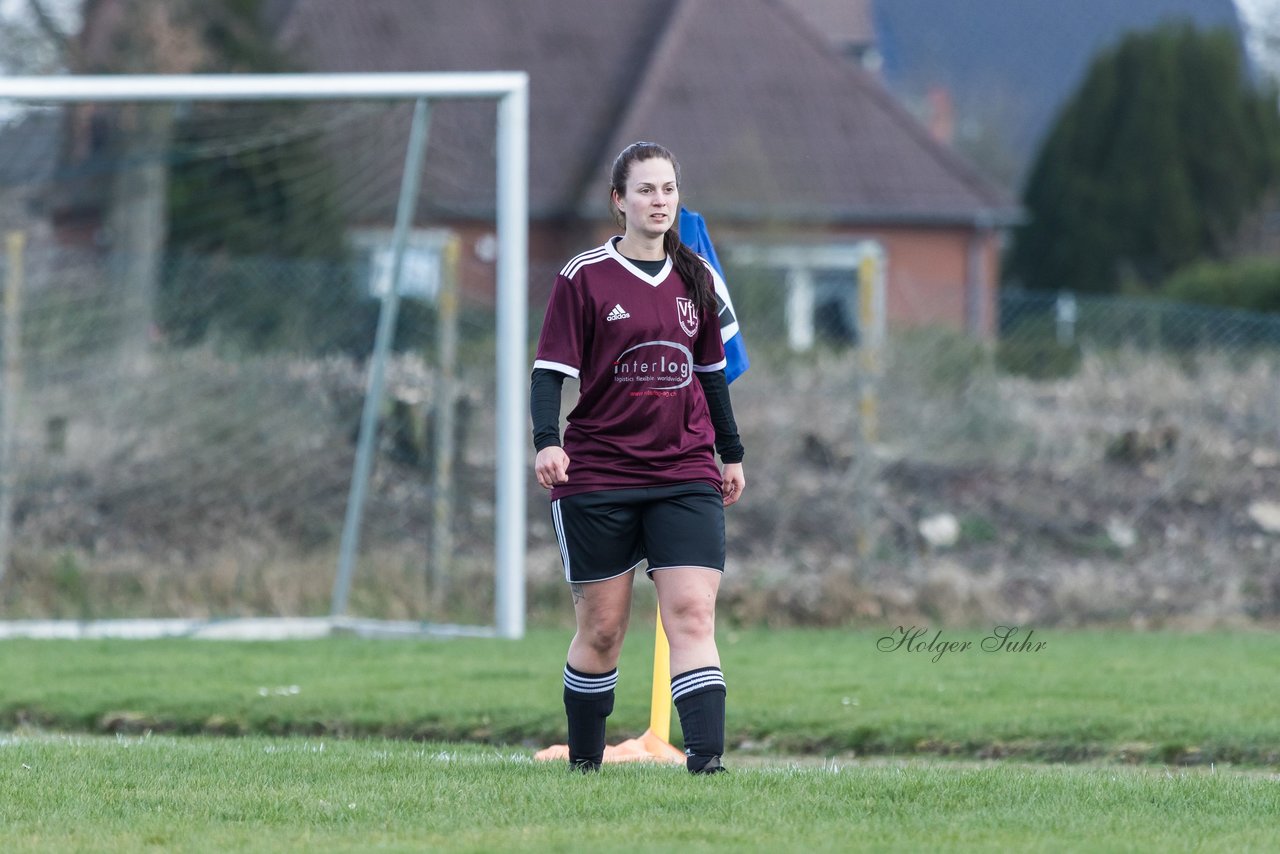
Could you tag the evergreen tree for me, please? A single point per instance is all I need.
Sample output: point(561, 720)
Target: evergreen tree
point(1151, 166)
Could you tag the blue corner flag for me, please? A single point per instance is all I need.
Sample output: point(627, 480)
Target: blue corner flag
point(693, 231)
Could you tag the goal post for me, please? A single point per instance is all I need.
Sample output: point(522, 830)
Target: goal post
point(510, 91)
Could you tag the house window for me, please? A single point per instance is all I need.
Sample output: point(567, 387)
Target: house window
point(833, 294)
point(835, 306)
point(420, 270)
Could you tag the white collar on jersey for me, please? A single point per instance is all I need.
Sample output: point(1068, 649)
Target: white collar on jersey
point(636, 271)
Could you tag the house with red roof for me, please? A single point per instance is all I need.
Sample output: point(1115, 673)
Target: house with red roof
point(802, 163)
point(810, 175)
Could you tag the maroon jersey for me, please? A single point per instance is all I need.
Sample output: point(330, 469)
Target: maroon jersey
point(633, 342)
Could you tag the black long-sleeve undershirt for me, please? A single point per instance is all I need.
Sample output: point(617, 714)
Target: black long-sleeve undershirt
point(715, 387)
point(544, 407)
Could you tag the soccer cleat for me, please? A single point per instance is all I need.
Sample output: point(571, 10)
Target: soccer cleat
point(584, 766)
point(712, 766)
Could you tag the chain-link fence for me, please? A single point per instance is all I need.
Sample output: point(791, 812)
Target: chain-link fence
point(1098, 459)
point(194, 456)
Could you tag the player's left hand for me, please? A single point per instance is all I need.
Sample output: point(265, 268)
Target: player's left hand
point(733, 483)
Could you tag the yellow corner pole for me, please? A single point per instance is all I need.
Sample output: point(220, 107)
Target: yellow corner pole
point(660, 710)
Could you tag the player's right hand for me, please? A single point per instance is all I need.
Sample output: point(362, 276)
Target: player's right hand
point(551, 466)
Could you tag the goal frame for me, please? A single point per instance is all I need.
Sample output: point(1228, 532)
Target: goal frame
point(511, 91)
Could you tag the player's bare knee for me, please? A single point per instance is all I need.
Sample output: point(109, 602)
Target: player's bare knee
point(604, 639)
point(691, 620)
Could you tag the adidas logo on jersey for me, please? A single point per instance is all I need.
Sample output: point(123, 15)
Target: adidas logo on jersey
point(618, 313)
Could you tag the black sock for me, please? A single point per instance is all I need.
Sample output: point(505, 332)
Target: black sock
point(699, 697)
point(588, 700)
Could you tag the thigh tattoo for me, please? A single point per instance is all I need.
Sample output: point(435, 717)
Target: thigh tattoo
point(578, 592)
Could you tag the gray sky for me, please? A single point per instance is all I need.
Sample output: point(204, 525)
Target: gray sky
point(1261, 19)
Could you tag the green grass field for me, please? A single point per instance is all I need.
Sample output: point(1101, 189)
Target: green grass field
point(835, 744)
point(204, 794)
point(1162, 697)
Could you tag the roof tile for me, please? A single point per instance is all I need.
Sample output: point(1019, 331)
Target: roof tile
point(766, 119)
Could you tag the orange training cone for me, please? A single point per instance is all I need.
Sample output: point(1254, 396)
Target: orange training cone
point(652, 745)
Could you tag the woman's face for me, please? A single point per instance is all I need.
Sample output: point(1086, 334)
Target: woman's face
point(652, 200)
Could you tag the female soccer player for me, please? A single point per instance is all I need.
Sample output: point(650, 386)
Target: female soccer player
point(635, 479)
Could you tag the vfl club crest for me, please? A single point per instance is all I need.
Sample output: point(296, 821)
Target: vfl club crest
point(688, 315)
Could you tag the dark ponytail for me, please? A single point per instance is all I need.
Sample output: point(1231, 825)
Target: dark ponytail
point(689, 266)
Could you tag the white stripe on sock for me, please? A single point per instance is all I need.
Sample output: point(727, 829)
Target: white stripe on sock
point(697, 680)
point(590, 684)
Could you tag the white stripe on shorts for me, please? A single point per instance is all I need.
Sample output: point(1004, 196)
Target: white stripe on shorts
point(564, 546)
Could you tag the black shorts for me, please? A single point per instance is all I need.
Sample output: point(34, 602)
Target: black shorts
point(608, 533)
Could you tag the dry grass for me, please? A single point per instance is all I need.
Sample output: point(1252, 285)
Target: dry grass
point(1118, 494)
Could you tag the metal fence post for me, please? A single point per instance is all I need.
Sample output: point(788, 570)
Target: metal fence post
point(15, 246)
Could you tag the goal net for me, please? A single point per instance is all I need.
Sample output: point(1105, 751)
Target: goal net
point(264, 346)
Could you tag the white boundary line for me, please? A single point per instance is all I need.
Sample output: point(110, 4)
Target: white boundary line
point(246, 629)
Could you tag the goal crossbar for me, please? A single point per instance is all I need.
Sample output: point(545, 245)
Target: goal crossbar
point(261, 87)
point(511, 90)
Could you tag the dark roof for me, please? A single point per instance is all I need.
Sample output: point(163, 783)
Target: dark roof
point(769, 123)
point(842, 22)
point(580, 55)
point(767, 120)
